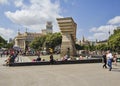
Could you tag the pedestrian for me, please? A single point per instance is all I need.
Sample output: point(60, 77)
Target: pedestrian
point(104, 60)
point(68, 52)
point(51, 59)
point(109, 60)
point(115, 59)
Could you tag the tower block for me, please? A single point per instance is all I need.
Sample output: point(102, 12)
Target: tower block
point(68, 31)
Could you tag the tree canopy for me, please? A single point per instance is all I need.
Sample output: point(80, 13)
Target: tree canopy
point(38, 42)
point(3, 42)
point(114, 40)
point(52, 40)
point(48, 41)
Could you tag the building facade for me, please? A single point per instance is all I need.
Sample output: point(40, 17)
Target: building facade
point(22, 40)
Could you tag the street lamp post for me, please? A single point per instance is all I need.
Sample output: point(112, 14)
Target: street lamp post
point(108, 37)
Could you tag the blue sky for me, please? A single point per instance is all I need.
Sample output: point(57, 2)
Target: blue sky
point(94, 18)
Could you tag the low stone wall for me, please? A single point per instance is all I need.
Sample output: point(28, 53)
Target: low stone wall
point(96, 56)
point(56, 62)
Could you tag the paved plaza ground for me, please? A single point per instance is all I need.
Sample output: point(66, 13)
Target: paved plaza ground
point(59, 75)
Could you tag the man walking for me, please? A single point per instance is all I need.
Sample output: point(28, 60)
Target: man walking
point(104, 60)
point(109, 60)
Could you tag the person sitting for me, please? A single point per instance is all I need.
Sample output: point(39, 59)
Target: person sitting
point(10, 59)
point(43, 60)
point(33, 60)
point(7, 61)
point(38, 59)
point(51, 59)
point(81, 58)
point(64, 58)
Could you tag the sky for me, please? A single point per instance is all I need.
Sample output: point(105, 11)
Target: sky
point(94, 18)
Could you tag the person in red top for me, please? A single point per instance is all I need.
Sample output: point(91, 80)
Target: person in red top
point(8, 60)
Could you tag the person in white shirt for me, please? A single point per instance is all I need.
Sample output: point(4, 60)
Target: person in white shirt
point(109, 60)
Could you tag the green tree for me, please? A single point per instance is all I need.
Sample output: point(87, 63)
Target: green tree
point(38, 42)
point(48, 41)
point(92, 47)
point(114, 41)
point(52, 40)
point(79, 47)
point(3, 42)
point(9, 45)
point(102, 47)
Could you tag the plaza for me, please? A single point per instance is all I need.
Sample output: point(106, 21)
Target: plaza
point(59, 75)
point(59, 43)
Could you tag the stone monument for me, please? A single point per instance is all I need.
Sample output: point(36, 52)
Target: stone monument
point(68, 31)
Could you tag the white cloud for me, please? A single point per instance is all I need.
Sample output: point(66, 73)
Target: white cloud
point(79, 33)
point(102, 32)
point(104, 28)
point(36, 14)
point(6, 33)
point(19, 3)
point(98, 36)
point(115, 20)
point(3, 1)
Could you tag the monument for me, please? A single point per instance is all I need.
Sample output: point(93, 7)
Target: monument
point(68, 31)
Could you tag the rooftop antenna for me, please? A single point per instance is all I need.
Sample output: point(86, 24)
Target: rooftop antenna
point(109, 31)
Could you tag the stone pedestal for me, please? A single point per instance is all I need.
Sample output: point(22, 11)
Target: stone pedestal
point(67, 43)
